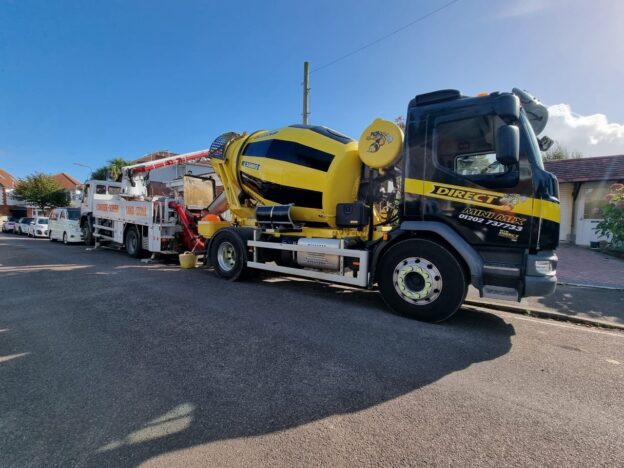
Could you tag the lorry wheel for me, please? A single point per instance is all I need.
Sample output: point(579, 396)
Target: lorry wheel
point(228, 256)
point(50, 237)
point(87, 235)
point(422, 280)
point(132, 241)
point(65, 238)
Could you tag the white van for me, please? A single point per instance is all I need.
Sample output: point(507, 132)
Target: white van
point(64, 225)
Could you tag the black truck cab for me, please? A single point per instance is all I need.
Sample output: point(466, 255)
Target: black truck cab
point(473, 164)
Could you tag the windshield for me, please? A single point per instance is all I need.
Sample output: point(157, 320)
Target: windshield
point(73, 214)
point(42, 221)
point(534, 152)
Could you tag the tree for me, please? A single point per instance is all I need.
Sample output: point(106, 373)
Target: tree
point(612, 223)
point(558, 151)
point(42, 191)
point(111, 171)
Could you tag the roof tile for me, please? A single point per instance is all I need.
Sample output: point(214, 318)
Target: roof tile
point(588, 169)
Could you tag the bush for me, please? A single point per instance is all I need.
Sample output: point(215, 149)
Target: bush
point(613, 216)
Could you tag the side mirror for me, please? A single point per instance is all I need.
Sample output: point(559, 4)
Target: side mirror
point(508, 145)
point(545, 143)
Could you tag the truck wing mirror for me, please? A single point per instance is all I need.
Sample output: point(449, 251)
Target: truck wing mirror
point(508, 145)
point(545, 143)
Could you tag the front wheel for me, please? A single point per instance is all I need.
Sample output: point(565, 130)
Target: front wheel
point(87, 234)
point(228, 256)
point(65, 241)
point(422, 280)
point(50, 238)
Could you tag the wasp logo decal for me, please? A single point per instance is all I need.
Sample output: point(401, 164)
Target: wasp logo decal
point(509, 201)
point(379, 139)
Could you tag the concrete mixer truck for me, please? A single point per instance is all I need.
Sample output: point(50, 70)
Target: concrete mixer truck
point(460, 197)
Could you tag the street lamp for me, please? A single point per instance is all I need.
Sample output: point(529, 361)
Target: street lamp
point(84, 165)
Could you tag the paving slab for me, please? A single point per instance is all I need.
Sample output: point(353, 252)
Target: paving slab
point(584, 266)
point(601, 306)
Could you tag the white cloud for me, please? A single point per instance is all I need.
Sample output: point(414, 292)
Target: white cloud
point(591, 135)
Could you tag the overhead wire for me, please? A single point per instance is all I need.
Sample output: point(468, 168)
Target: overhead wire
point(386, 36)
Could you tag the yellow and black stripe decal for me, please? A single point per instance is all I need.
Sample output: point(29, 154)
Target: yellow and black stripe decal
point(283, 194)
point(290, 151)
point(514, 203)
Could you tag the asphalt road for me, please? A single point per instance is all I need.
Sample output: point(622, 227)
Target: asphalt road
point(107, 361)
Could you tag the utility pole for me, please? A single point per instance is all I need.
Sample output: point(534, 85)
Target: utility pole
point(306, 91)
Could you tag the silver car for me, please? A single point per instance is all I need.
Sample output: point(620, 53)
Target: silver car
point(9, 225)
point(23, 225)
point(39, 228)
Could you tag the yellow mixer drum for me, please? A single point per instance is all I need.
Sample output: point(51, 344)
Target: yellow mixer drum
point(312, 168)
point(381, 144)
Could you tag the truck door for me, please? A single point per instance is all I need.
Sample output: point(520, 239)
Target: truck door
point(463, 184)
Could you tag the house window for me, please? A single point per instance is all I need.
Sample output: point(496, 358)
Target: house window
point(594, 202)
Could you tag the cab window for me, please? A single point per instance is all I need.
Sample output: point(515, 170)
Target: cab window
point(467, 148)
point(100, 189)
point(112, 190)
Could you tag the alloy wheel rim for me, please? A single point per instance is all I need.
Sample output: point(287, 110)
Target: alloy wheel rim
point(226, 256)
point(417, 280)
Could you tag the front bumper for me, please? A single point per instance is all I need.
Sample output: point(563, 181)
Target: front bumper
point(541, 279)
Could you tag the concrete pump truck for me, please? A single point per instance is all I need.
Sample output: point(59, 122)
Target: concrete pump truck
point(461, 197)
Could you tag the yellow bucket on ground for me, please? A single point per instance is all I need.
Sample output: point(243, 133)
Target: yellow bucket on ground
point(188, 260)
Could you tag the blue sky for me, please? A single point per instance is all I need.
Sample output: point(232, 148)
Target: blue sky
point(85, 81)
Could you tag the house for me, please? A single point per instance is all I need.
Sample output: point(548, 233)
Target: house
point(72, 185)
point(17, 209)
point(7, 183)
point(583, 184)
point(161, 179)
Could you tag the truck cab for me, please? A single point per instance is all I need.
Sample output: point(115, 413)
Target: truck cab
point(474, 164)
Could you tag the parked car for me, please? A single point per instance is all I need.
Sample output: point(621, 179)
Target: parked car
point(64, 224)
point(39, 228)
point(8, 225)
point(23, 225)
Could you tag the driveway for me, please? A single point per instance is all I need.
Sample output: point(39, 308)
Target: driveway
point(580, 265)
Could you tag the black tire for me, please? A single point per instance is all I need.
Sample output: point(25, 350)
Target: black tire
point(133, 242)
point(65, 238)
point(87, 234)
point(422, 280)
point(50, 237)
point(228, 255)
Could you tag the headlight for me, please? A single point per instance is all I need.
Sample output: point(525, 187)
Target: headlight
point(544, 267)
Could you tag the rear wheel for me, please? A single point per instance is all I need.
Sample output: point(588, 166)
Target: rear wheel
point(228, 255)
point(422, 280)
point(132, 241)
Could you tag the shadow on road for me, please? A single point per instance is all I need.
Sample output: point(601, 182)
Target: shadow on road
point(150, 367)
